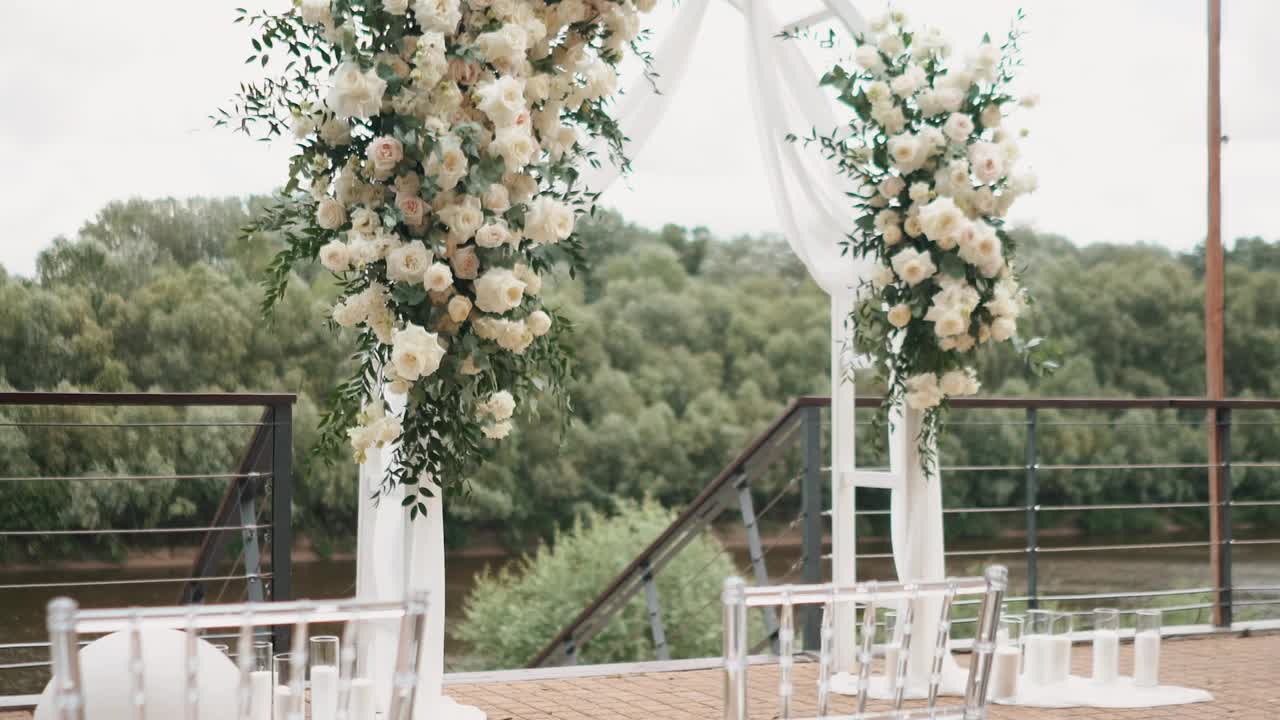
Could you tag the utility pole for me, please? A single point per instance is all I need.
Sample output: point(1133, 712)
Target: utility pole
point(1214, 304)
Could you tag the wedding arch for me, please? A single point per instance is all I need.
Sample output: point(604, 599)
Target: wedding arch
point(394, 553)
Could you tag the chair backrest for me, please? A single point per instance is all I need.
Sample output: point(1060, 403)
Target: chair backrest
point(738, 598)
point(67, 622)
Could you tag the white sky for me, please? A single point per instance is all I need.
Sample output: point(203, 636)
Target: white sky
point(110, 101)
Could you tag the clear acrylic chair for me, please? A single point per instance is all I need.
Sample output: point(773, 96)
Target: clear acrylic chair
point(738, 598)
point(67, 622)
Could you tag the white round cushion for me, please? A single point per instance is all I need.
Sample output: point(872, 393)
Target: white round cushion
point(104, 669)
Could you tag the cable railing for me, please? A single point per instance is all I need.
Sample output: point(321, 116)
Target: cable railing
point(1044, 506)
point(88, 445)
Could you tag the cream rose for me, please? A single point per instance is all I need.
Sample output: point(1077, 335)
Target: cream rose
point(415, 353)
point(335, 256)
point(548, 221)
point(498, 291)
point(459, 308)
point(539, 323)
point(900, 315)
point(330, 214)
point(493, 234)
point(408, 262)
point(438, 277)
point(913, 266)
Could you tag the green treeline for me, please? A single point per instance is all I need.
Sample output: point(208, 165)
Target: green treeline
point(686, 345)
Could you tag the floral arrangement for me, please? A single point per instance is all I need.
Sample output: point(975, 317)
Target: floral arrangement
point(436, 176)
point(932, 152)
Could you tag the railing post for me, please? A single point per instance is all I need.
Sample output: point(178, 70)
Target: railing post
point(1033, 510)
point(1222, 417)
point(757, 552)
point(660, 648)
point(811, 500)
point(281, 512)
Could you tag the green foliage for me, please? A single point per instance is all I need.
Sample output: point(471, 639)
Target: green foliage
point(512, 612)
point(675, 371)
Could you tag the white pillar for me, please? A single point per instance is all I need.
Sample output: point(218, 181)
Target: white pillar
point(843, 539)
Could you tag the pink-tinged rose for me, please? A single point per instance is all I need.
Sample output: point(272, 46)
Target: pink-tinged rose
point(412, 207)
point(463, 72)
point(385, 153)
point(466, 265)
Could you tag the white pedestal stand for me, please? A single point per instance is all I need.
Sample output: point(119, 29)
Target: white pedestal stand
point(393, 555)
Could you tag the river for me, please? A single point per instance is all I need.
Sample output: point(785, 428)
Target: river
point(22, 611)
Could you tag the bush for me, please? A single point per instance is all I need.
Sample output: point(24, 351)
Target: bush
point(512, 614)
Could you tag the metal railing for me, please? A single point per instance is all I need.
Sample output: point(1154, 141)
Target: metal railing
point(800, 427)
point(255, 505)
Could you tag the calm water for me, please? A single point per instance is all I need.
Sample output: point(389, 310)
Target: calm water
point(22, 611)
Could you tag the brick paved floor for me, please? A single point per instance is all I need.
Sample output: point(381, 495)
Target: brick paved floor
point(1243, 673)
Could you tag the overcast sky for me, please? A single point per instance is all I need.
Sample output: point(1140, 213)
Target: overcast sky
point(109, 101)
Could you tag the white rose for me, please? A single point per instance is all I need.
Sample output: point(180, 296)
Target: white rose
point(919, 192)
point(335, 132)
point(958, 128)
point(923, 391)
point(867, 57)
point(463, 217)
point(439, 15)
point(900, 315)
point(912, 226)
point(984, 251)
point(941, 220)
point(335, 256)
point(991, 116)
point(498, 291)
point(355, 93)
point(878, 92)
point(548, 221)
point(502, 100)
point(384, 153)
point(602, 80)
point(492, 235)
point(949, 98)
point(932, 139)
point(504, 47)
point(906, 153)
point(929, 102)
point(408, 262)
point(912, 79)
point(515, 145)
point(349, 312)
point(892, 234)
point(984, 201)
point(890, 117)
point(496, 198)
point(438, 277)
point(500, 405)
point(539, 323)
point(1003, 328)
point(987, 160)
point(365, 221)
point(532, 280)
point(891, 186)
point(330, 214)
point(913, 266)
point(415, 353)
point(890, 44)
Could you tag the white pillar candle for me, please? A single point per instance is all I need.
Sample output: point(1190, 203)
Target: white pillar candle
point(1060, 659)
point(891, 666)
point(361, 699)
point(1146, 659)
point(1106, 656)
point(260, 682)
point(282, 697)
point(324, 692)
point(1039, 668)
point(1004, 672)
